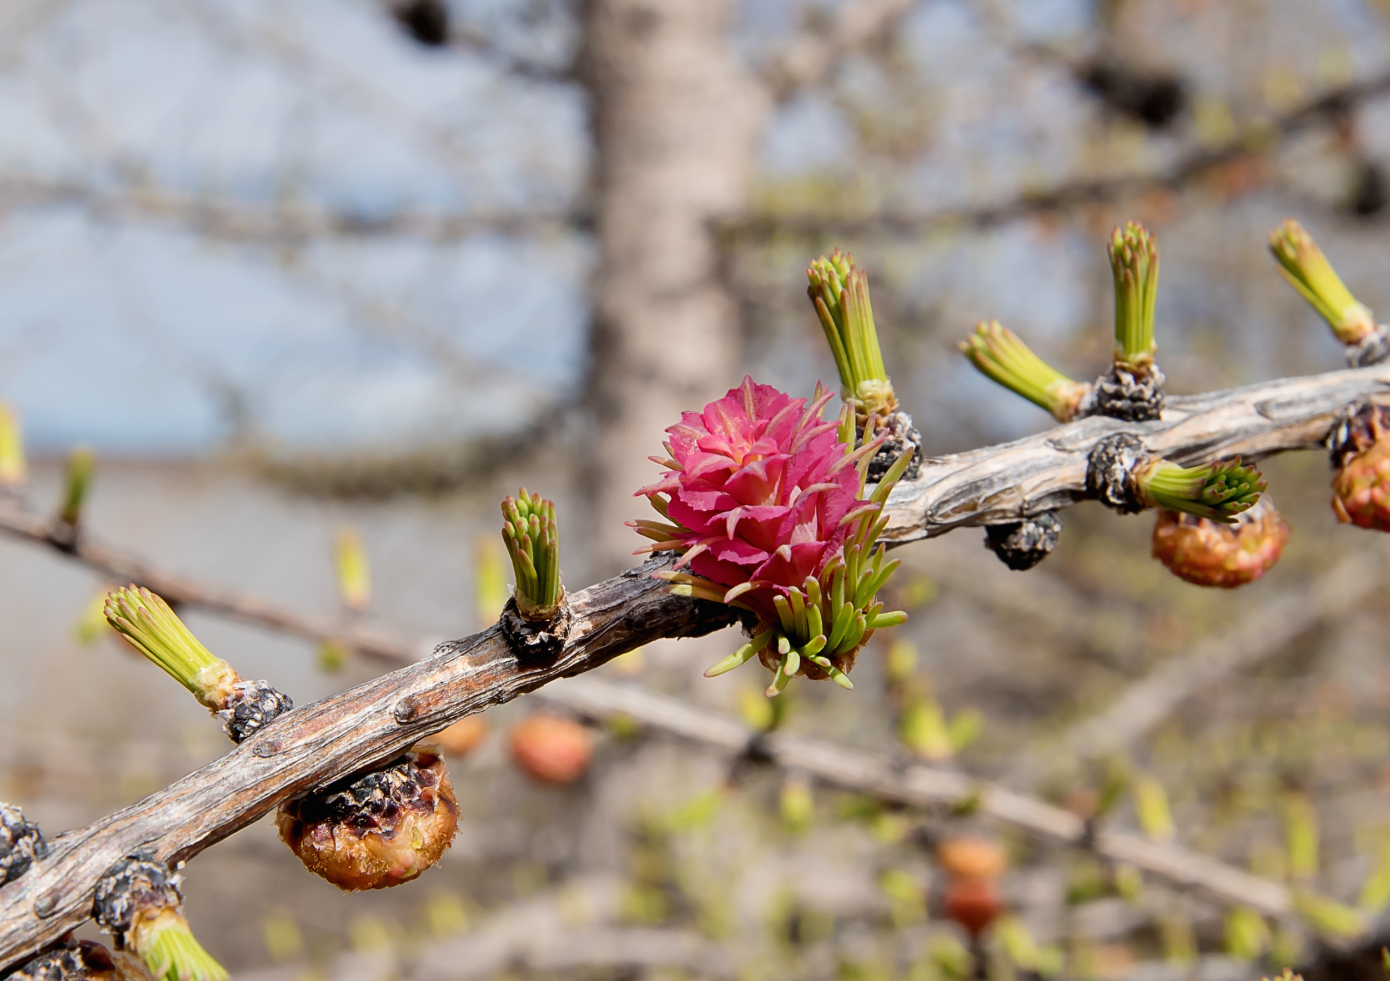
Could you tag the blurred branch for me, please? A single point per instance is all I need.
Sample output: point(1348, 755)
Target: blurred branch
point(317, 743)
point(278, 224)
point(1269, 629)
point(1331, 106)
point(923, 786)
point(813, 53)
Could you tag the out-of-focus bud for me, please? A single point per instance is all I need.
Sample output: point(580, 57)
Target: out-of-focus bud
point(378, 829)
point(13, 469)
point(489, 580)
point(76, 481)
point(354, 575)
point(1207, 553)
point(796, 804)
point(464, 736)
point(973, 858)
point(1151, 804)
point(551, 749)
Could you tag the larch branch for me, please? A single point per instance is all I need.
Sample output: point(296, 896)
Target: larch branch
point(372, 722)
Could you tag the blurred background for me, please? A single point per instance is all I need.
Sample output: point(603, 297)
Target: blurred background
point(294, 267)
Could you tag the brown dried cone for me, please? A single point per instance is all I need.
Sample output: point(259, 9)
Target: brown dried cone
point(80, 960)
point(1361, 453)
point(377, 829)
point(551, 749)
point(1208, 553)
point(21, 843)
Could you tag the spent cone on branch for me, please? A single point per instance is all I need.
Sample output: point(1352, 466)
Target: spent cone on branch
point(378, 829)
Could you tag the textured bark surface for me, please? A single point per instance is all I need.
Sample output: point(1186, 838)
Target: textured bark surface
point(1047, 472)
point(373, 722)
point(675, 120)
point(315, 744)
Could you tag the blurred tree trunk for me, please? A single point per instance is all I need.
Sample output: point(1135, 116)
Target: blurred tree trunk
point(676, 120)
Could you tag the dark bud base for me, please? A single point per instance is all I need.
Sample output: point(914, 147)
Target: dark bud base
point(1129, 395)
point(133, 886)
point(903, 437)
point(21, 843)
point(1021, 545)
point(377, 800)
point(1372, 349)
point(535, 641)
point(1108, 472)
point(1356, 431)
point(74, 961)
point(253, 706)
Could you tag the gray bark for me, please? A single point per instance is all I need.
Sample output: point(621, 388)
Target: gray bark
point(675, 120)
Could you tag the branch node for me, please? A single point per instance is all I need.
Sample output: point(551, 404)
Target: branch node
point(1020, 545)
point(1131, 394)
point(902, 437)
point(21, 843)
point(1369, 350)
point(252, 706)
point(1109, 472)
point(536, 641)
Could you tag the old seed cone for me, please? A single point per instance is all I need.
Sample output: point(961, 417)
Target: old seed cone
point(377, 829)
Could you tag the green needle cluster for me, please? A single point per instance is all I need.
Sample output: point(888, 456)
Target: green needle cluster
point(999, 354)
point(533, 541)
point(1218, 491)
point(75, 483)
point(1134, 262)
point(828, 616)
point(840, 293)
point(1308, 271)
point(147, 624)
point(172, 953)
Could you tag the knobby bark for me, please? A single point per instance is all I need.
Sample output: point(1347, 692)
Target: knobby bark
point(373, 722)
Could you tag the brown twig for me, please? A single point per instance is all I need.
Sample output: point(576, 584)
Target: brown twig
point(358, 728)
point(924, 786)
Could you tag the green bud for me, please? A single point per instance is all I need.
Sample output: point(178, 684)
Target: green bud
point(147, 624)
point(1218, 491)
point(171, 952)
point(840, 293)
point(1303, 264)
point(1134, 262)
point(999, 354)
point(532, 537)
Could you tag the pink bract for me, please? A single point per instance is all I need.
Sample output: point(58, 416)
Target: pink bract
point(760, 487)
